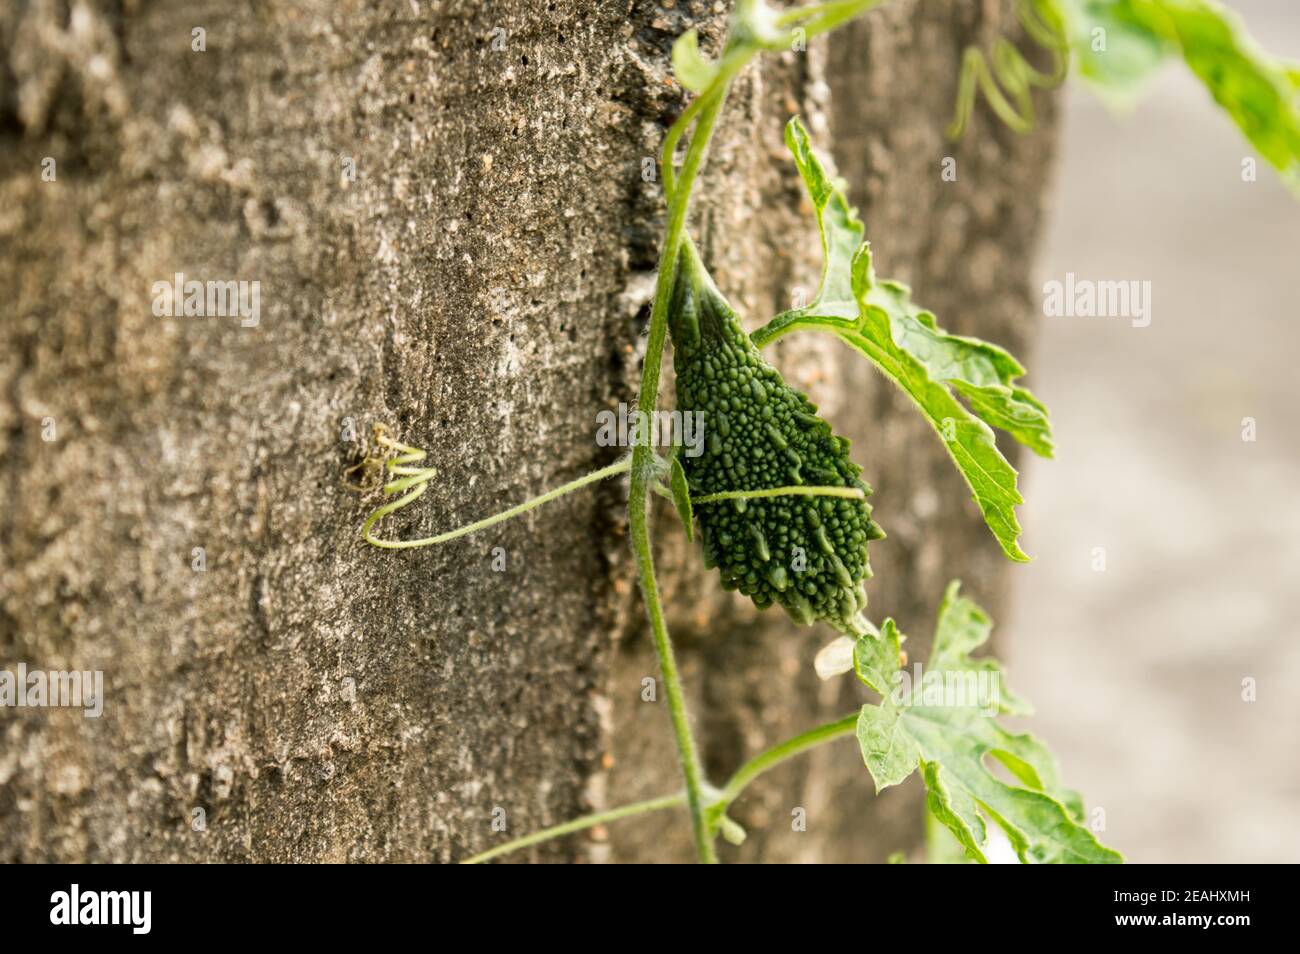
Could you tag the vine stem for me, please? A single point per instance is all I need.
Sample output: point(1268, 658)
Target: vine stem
point(786, 750)
point(424, 475)
point(849, 493)
point(643, 470)
point(735, 787)
point(578, 824)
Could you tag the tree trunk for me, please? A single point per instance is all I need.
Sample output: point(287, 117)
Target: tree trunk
point(447, 209)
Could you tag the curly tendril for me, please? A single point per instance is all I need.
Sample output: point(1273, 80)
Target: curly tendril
point(1008, 83)
point(412, 481)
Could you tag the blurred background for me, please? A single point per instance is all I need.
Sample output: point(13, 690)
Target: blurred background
point(1137, 670)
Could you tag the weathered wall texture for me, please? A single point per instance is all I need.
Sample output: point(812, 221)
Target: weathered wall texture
point(480, 286)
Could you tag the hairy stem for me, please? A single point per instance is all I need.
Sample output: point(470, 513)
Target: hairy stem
point(424, 475)
point(786, 750)
point(578, 824)
point(735, 786)
point(643, 471)
point(820, 18)
point(851, 493)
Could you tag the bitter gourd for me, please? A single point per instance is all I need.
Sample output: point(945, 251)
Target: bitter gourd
point(806, 553)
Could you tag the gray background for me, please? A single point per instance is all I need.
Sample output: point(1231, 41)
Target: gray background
point(1136, 671)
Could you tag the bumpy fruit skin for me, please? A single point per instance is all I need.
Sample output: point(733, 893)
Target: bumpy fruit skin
point(809, 554)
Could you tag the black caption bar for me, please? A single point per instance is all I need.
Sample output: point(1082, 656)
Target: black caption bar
point(333, 904)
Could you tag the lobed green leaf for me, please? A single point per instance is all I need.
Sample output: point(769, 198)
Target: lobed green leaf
point(953, 739)
point(904, 342)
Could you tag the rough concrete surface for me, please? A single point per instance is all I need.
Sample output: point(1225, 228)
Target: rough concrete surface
point(480, 285)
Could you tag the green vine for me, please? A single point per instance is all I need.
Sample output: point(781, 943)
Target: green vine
point(766, 437)
point(396, 458)
point(718, 802)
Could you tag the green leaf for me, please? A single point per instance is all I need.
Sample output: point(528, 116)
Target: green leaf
point(946, 726)
point(681, 496)
point(930, 366)
point(1119, 60)
point(1257, 91)
point(962, 628)
point(842, 232)
point(692, 68)
point(981, 372)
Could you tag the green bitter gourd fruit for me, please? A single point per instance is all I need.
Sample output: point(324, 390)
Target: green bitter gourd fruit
point(807, 553)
